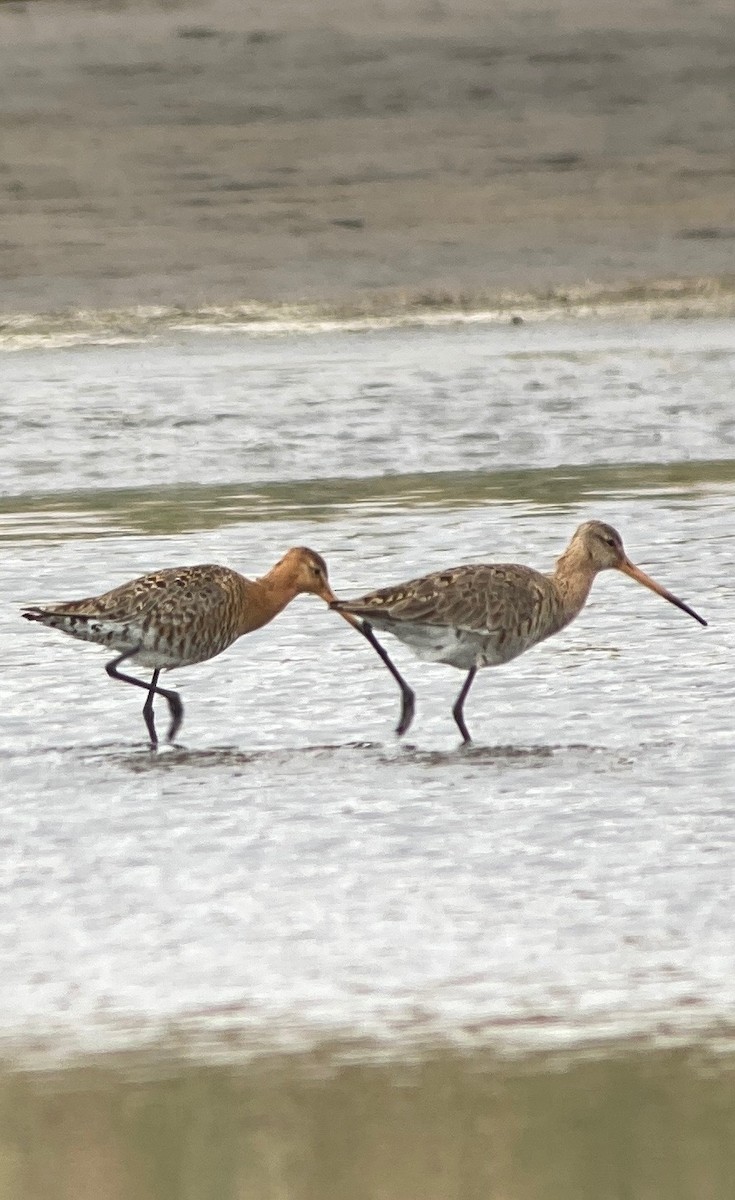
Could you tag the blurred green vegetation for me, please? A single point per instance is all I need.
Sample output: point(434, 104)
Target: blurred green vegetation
point(187, 509)
point(623, 1121)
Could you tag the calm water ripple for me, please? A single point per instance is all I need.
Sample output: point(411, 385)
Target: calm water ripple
point(291, 864)
point(234, 410)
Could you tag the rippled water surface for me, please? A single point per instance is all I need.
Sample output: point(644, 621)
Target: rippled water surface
point(291, 867)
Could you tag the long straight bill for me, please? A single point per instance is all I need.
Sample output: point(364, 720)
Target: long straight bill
point(628, 568)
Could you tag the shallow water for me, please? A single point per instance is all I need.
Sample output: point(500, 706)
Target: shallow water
point(290, 861)
point(250, 410)
point(291, 870)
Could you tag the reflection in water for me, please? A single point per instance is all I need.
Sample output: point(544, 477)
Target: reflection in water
point(177, 758)
point(143, 759)
point(177, 510)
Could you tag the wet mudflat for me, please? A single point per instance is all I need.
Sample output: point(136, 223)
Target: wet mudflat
point(184, 151)
point(290, 874)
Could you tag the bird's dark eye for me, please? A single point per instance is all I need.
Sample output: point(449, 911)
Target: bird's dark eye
point(609, 541)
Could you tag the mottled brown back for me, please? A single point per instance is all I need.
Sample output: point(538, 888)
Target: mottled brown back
point(175, 616)
point(476, 597)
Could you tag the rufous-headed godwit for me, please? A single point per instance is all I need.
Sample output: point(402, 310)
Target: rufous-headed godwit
point(183, 615)
point(486, 614)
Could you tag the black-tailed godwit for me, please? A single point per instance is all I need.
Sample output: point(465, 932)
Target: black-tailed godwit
point(487, 614)
point(183, 615)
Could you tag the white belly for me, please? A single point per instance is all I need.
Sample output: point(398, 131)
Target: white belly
point(153, 648)
point(460, 648)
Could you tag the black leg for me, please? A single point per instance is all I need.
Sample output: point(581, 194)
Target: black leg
point(459, 705)
point(408, 699)
point(150, 723)
point(176, 708)
point(175, 705)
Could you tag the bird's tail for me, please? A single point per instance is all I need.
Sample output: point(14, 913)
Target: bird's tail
point(84, 626)
point(44, 615)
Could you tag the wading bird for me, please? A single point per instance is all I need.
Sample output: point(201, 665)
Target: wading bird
point(487, 614)
point(183, 615)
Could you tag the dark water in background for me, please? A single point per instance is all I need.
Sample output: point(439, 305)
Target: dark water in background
point(292, 877)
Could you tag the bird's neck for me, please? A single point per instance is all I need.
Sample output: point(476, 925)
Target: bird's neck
point(264, 598)
point(277, 588)
point(572, 577)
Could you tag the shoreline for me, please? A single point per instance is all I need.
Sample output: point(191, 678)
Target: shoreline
point(681, 299)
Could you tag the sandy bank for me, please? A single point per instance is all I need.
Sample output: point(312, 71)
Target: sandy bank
point(212, 153)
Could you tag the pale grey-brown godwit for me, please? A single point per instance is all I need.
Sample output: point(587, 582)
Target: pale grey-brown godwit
point(183, 615)
point(484, 615)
